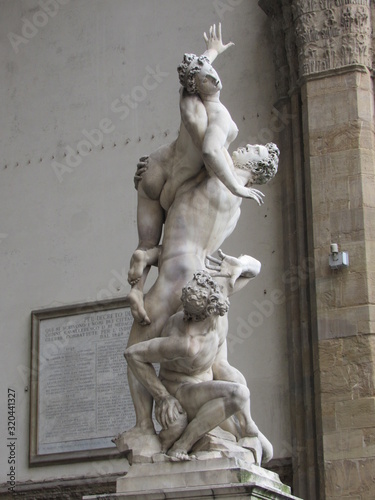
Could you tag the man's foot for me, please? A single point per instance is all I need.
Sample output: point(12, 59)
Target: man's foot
point(137, 308)
point(179, 455)
point(138, 263)
point(169, 436)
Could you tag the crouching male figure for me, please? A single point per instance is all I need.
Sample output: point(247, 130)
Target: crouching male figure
point(197, 389)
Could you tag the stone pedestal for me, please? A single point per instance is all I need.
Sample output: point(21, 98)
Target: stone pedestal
point(198, 479)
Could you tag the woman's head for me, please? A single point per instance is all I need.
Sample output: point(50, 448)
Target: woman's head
point(197, 75)
point(261, 161)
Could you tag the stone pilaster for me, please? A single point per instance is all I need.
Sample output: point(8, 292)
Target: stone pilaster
point(339, 155)
point(305, 452)
point(333, 192)
point(335, 54)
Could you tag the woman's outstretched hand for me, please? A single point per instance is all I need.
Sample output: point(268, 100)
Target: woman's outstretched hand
point(214, 41)
point(251, 193)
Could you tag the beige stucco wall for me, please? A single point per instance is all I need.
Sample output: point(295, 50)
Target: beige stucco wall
point(67, 239)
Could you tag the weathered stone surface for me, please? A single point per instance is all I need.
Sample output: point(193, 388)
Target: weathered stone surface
point(331, 353)
point(139, 449)
point(334, 324)
point(350, 478)
point(369, 437)
point(332, 126)
point(354, 289)
point(356, 414)
point(355, 199)
point(348, 444)
point(328, 417)
point(62, 489)
point(357, 254)
point(366, 327)
point(356, 497)
point(142, 478)
point(341, 138)
point(349, 224)
point(342, 163)
point(345, 321)
point(354, 77)
point(325, 200)
point(368, 186)
point(336, 384)
point(359, 349)
point(347, 370)
point(370, 254)
point(328, 295)
point(338, 126)
point(369, 223)
point(250, 491)
point(323, 239)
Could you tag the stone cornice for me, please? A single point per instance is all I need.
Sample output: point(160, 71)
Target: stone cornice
point(332, 72)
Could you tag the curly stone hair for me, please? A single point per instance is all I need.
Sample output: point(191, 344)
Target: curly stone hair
point(263, 170)
point(199, 306)
point(190, 66)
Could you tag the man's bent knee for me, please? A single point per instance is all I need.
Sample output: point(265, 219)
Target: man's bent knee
point(240, 395)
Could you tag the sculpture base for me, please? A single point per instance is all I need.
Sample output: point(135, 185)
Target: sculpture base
point(198, 479)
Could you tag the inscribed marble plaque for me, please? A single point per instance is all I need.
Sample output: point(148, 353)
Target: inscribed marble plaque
point(83, 397)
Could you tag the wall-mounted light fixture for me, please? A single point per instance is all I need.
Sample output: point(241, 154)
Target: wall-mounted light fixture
point(337, 259)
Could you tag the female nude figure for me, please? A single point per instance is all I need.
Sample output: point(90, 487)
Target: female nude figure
point(206, 132)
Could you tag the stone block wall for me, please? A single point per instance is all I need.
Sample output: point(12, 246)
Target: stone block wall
point(338, 132)
point(326, 77)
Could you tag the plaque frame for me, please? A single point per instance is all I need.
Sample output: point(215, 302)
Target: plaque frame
point(35, 458)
